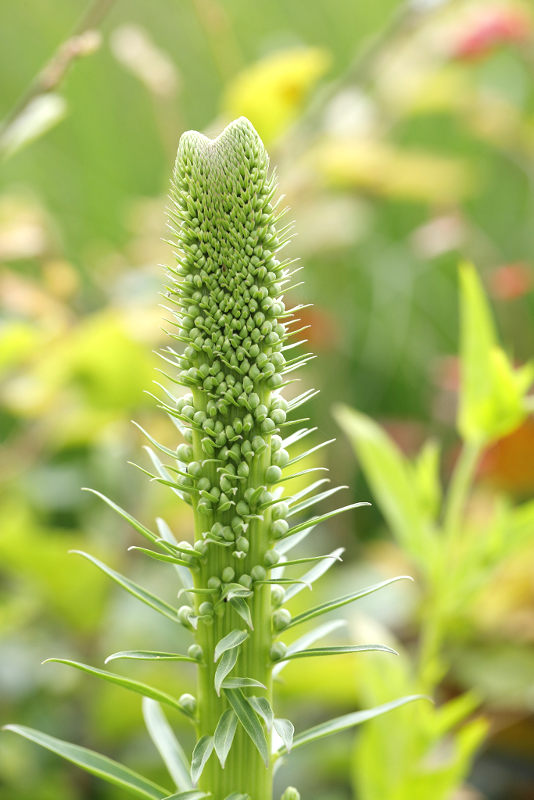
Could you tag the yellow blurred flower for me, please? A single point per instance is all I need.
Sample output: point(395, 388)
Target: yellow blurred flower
point(383, 169)
point(272, 91)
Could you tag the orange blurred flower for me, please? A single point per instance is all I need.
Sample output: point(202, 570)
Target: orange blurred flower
point(492, 28)
point(508, 464)
point(511, 281)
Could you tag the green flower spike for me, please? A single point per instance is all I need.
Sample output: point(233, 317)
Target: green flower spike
point(232, 466)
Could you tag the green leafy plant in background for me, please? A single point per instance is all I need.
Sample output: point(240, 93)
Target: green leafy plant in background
point(429, 750)
point(232, 467)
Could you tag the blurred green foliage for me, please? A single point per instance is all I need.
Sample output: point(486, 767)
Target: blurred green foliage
point(403, 137)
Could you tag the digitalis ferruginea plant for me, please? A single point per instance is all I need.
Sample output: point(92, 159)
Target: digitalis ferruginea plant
point(235, 349)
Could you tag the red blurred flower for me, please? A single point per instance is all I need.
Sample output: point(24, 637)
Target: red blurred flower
point(323, 333)
point(493, 27)
point(511, 281)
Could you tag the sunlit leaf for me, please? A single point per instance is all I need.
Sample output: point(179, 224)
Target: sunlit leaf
point(492, 392)
point(386, 471)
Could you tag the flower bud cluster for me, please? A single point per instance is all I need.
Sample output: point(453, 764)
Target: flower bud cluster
point(227, 288)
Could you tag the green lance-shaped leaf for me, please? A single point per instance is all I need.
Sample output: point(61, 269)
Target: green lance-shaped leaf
point(315, 572)
point(224, 734)
point(167, 535)
point(148, 655)
point(313, 521)
point(492, 392)
point(241, 607)
point(127, 683)
point(228, 642)
point(338, 650)
point(347, 721)
point(225, 665)
point(96, 764)
point(193, 794)
point(242, 683)
point(201, 753)
point(142, 529)
point(167, 744)
point(166, 557)
point(297, 508)
point(388, 472)
point(285, 730)
point(133, 588)
point(237, 796)
point(330, 605)
point(309, 638)
point(262, 707)
point(249, 720)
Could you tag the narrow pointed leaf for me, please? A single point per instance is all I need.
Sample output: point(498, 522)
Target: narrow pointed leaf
point(262, 707)
point(295, 498)
point(297, 436)
point(101, 766)
point(309, 638)
point(315, 572)
point(309, 452)
point(348, 721)
point(323, 517)
point(159, 556)
point(194, 794)
point(166, 533)
point(201, 753)
point(167, 744)
point(324, 608)
point(316, 498)
point(301, 473)
point(242, 683)
point(142, 529)
point(225, 665)
point(157, 445)
point(285, 545)
point(224, 734)
point(127, 683)
point(335, 651)
point(240, 606)
point(133, 588)
point(249, 720)
point(237, 796)
point(148, 655)
point(285, 730)
point(310, 560)
point(231, 640)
